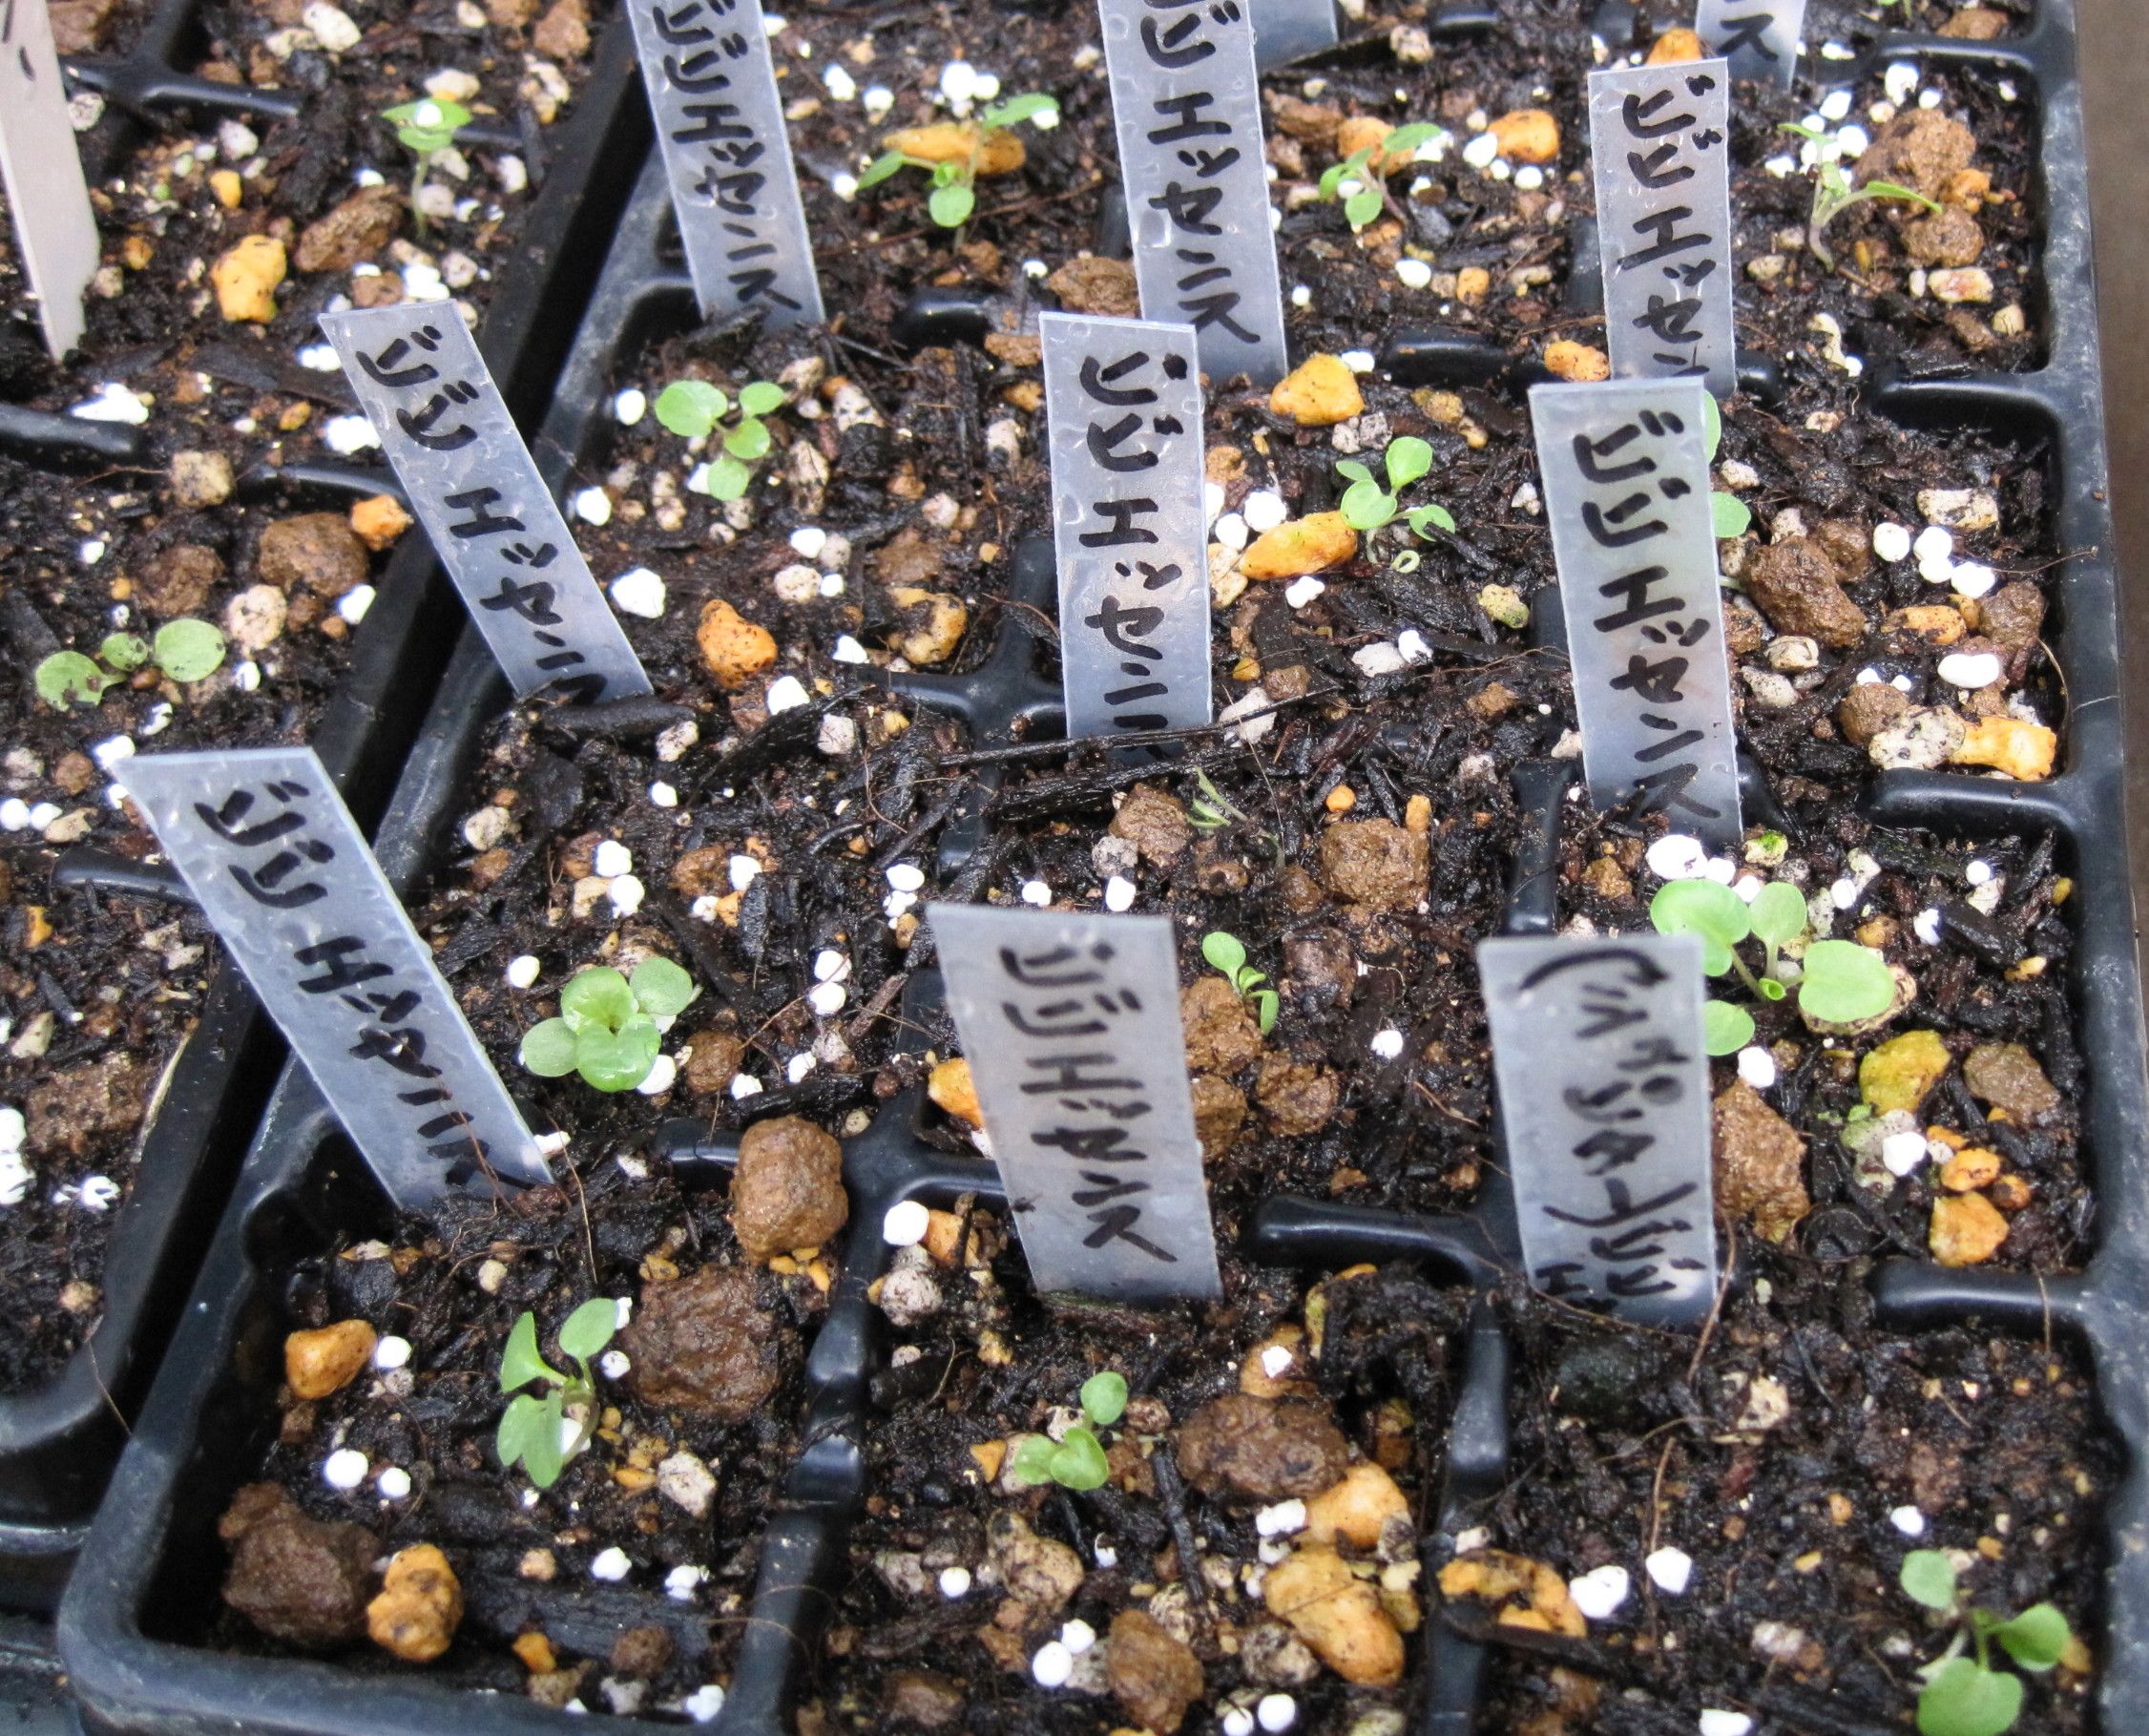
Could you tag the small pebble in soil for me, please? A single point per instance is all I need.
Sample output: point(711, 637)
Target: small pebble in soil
point(797, 1067)
point(1675, 856)
point(1077, 1635)
point(348, 435)
point(809, 541)
point(1926, 926)
point(1892, 542)
point(1053, 1664)
point(663, 795)
point(907, 877)
point(629, 407)
point(615, 1365)
point(611, 859)
point(1972, 579)
point(905, 1226)
point(1282, 1519)
point(1757, 1067)
point(1717, 1722)
point(1969, 670)
point(1669, 1569)
point(1600, 1591)
point(394, 1484)
point(114, 403)
point(955, 1582)
point(683, 1582)
point(787, 693)
point(743, 870)
point(639, 592)
point(849, 650)
point(551, 1144)
point(391, 1354)
point(1359, 361)
point(1909, 1521)
point(663, 1073)
point(704, 1704)
point(627, 893)
point(1413, 274)
point(826, 999)
point(1106, 1556)
point(1119, 893)
point(1238, 1722)
point(1276, 1712)
point(1387, 1044)
point(611, 1565)
point(593, 506)
point(1036, 892)
point(344, 1467)
point(355, 603)
point(522, 971)
point(1301, 591)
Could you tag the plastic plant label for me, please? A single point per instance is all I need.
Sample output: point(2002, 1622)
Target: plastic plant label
point(1759, 37)
point(473, 485)
point(55, 229)
point(280, 868)
point(1604, 1098)
point(1286, 31)
point(712, 90)
point(1187, 104)
point(1626, 489)
point(1661, 145)
point(1123, 417)
point(1071, 1023)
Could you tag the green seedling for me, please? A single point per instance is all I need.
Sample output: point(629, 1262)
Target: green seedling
point(954, 183)
point(1364, 191)
point(1964, 1694)
point(1729, 516)
point(1211, 810)
point(425, 128)
point(1226, 954)
point(607, 1029)
point(1842, 981)
point(1834, 194)
point(1077, 1459)
point(182, 651)
point(1369, 507)
point(694, 410)
point(535, 1431)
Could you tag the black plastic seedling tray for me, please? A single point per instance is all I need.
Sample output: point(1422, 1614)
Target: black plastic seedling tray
point(124, 1630)
point(57, 1443)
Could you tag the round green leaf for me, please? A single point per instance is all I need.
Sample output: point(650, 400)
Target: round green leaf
point(1362, 207)
point(726, 479)
point(1726, 1028)
point(1403, 141)
point(690, 407)
point(68, 678)
point(1845, 982)
point(761, 398)
point(1104, 1398)
point(124, 651)
point(1079, 1460)
point(1712, 425)
point(590, 1327)
point(1700, 907)
point(2035, 1639)
point(662, 988)
point(548, 1050)
point(518, 1422)
point(749, 440)
point(1034, 1459)
point(1728, 516)
point(1367, 507)
point(1961, 1698)
point(188, 650)
point(618, 1060)
point(951, 206)
point(598, 998)
point(522, 1362)
point(879, 169)
point(1330, 179)
point(1928, 1577)
point(543, 1458)
point(1407, 459)
point(1422, 516)
point(1352, 468)
point(1224, 953)
point(1777, 914)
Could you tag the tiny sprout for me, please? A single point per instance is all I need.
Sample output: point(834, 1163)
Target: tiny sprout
point(1362, 187)
point(1964, 1695)
point(425, 128)
point(1104, 1398)
point(1729, 516)
point(608, 1029)
point(1077, 1459)
point(1226, 954)
point(531, 1427)
point(953, 194)
point(1211, 809)
point(184, 650)
point(1834, 194)
point(1842, 982)
point(695, 409)
point(1369, 507)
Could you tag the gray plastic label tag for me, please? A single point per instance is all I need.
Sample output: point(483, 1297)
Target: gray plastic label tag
point(719, 118)
point(473, 485)
point(1071, 1023)
point(1186, 102)
point(1626, 489)
point(1604, 1098)
point(1123, 416)
point(280, 868)
point(1759, 37)
point(1659, 140)
point(55, 228)
point(1286, 31)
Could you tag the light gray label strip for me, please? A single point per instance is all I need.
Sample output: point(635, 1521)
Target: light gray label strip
point(1604, 1099)
point(1659, 140)
point(1759, 37)
point(1186, 102)
point(272, 856)
point(55, 228)
point(1286, 31)
point(1123, 417)
point(473, 485)
point(1626, 489)
point(1071, 1024)
point(720, 120)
